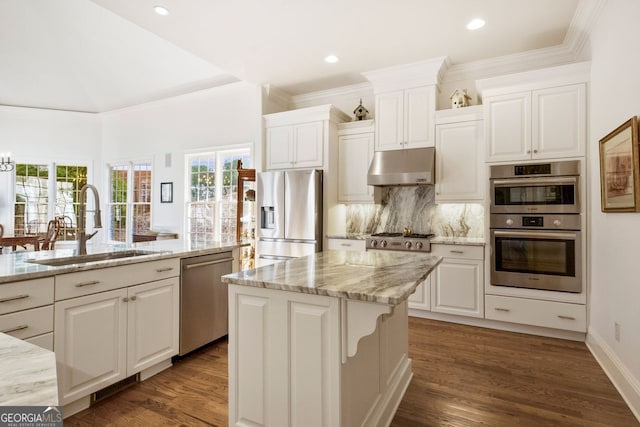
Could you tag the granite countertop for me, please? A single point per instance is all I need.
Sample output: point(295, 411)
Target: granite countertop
point(472, 241)
point(16, 267)
point(382, 277)
point(27, 374)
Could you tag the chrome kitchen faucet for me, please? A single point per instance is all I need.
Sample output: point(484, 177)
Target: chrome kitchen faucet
point(97, 222)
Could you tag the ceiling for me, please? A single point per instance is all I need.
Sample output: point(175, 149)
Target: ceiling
point(101, 55)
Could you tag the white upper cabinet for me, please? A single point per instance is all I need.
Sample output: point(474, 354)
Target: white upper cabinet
point(299, 139)
point(297, 146)
point(406, 104)
point(460, 174)
point(536, 115)
point(355, 152)
point(404, 118)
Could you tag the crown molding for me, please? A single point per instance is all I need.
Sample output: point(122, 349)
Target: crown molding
point(277, 95)
point(571, 49)
point(326, 96)
point(422, 73)
point(309, 114)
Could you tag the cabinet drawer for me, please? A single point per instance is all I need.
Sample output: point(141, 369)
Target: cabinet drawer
point(458, 251)
point(26, 294)
point(28, 323)
point(346, 245)
point(105, 279)
point(45, 341)
point(548, 314)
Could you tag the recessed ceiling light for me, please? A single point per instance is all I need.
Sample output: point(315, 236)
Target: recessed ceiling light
point(331, 59)
point(476, 23)
point(161, 10)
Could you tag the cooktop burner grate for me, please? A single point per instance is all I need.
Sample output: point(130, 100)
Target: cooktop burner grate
point(411, 236)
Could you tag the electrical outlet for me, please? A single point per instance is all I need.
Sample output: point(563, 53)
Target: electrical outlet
point(617, 331)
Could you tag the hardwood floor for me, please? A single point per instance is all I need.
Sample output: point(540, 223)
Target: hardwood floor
point(463, 376)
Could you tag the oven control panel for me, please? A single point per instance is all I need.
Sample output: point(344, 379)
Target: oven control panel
point(547, 221)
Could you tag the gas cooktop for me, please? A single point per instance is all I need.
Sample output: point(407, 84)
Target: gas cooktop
point(414, 242)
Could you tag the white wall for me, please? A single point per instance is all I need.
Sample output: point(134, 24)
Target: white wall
point(38, 135)
point(219, 117)
point(615, 237)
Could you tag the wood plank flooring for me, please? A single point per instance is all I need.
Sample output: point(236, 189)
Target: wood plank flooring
point(463, 376)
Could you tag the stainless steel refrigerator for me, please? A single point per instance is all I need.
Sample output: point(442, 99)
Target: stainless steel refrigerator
point(290, 214)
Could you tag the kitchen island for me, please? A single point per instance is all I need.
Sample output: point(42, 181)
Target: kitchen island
point(322, 340)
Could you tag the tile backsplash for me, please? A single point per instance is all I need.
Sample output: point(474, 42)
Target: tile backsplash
point(414, 207)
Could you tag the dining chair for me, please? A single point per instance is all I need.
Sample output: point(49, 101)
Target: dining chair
point(53, 227)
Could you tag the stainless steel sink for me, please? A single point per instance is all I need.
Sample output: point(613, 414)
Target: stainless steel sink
point(82, 259)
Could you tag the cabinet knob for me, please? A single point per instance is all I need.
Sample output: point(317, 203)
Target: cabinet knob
point(125, 299)
point(535, 151)
point(133, 298)
point(528, 151)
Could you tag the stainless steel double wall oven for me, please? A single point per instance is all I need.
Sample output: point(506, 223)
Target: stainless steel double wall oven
point(535, 222)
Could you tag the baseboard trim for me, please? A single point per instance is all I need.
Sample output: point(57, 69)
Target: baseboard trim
point(502, 326)
point(155, 369)
point(76, 406)
point(387, 404)
point(623, 381)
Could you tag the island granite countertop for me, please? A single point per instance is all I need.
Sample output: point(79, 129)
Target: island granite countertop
point(16, 266)
point(381, 277)
point(27, 374)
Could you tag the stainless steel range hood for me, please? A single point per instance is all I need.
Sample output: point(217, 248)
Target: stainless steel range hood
point(414, 166)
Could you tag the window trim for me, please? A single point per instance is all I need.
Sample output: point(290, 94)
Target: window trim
point(8, 219)
point(188, 155)
point(130, 163)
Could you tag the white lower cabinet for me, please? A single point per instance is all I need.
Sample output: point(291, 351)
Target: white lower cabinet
point(26, 311)
point(421, 298)
point(457, 284)
point(104, 337)
point(346, 245)
point(548, 314)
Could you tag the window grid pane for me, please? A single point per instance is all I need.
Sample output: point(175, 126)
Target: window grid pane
point(69, 181)
point(142, 187)
point(229, 202)
point(118, 222)
point(201, 209)
point(31, 210)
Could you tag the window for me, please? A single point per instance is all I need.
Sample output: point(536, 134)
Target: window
point(213, 187)
point(40, 197)
point(129, 201)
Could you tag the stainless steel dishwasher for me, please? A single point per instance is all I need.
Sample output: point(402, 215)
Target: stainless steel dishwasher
point(203, 300)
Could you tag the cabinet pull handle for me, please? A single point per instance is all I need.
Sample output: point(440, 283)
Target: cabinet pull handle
point(93, 282)
point(202, 264)
point(456, 252)
point(162, 270)
point(345, 244)
point(560, 316)
point(502, 309)
point(17, 328)
point(14, 298)
point(133, 298)
point(125, 299)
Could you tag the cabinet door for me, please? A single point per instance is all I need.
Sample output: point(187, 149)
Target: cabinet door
point(457, 288)
point(419, 110)
point(354, 157)
point(558, 122)
point(459, 167)
point(389, 121)
point(421, 298)
point(280, 147)
point(153, 320)
point(308, 146)
point(508, 127)
point(90, 343)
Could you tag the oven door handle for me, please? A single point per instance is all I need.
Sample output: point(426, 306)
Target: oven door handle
point(537, 234)
point(536, 181)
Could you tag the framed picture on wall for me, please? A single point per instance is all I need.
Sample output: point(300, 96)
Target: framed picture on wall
point(619, 169)
point(166, 192)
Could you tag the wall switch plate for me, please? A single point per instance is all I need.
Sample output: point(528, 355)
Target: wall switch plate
point(617, 331)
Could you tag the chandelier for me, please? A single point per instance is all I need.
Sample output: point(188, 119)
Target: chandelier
point(6, 165)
